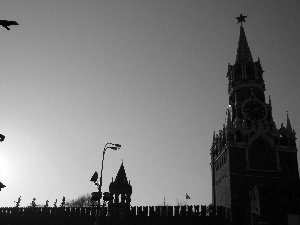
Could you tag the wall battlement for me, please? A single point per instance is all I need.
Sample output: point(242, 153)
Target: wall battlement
point(135, 211)
point(160, 215)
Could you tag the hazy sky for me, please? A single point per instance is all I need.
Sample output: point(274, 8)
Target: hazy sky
point(147, 74)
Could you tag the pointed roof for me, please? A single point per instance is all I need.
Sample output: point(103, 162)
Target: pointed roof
point(120, 184)
point(288, 124)
point(121, 176)
point(243, 51)
point(228, 122)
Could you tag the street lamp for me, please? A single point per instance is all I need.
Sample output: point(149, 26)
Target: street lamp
point(98, 195)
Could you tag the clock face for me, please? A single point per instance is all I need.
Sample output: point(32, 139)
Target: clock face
point(254, 110)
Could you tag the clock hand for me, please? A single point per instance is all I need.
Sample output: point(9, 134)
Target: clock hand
point(258, 108)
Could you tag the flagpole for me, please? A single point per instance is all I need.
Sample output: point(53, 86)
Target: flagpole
point(186, 198)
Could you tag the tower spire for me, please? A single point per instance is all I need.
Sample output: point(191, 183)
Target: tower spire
point(243, 51)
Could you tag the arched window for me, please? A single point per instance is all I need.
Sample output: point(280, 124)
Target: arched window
point(283, 140)
point(276, 140)
point(238, 136)
point(261, 155)
point(238, 72)
point(250, 71)
point(246, 138)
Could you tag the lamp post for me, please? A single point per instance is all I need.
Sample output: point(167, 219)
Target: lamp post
point(98, 195)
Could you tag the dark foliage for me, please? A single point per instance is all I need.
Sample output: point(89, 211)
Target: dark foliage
point(81, 201)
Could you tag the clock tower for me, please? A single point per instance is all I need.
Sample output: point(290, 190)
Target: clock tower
point(250, 150)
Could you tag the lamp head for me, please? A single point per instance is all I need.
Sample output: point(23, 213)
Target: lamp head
point(115, 147)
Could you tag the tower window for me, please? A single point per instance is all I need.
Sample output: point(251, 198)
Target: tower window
point(238, 72)
point(238, 136)
point(250, 71)
point(292, 143)
point(261, 155)
point(283, 140)
point(276, 140)
point(246, 138)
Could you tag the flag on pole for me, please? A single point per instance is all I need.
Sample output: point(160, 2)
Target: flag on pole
point(187, 196)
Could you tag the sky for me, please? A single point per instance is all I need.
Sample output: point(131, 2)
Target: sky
point(147, 74)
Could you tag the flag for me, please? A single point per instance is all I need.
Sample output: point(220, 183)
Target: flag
point(2, 186)
point(187, 196)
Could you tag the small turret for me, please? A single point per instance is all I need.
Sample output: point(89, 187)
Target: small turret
point(228, 117)
point(121, 189)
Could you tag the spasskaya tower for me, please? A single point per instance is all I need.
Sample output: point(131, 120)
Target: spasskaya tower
point(250, 150)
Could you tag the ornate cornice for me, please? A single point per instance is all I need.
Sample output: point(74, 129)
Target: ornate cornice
point(245, 85)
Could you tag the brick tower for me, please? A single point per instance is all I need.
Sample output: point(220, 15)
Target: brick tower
point(250, 151)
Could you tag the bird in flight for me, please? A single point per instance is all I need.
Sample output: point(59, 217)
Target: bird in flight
point(7, 23)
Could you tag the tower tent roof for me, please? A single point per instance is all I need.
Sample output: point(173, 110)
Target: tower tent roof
point(243, 51)
point(120, 184)
point(121, 176)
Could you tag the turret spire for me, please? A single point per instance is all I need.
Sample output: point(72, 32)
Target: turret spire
point(214, 136)
point(121, 176)
point(288, 123)
point(228, 118)
point(120, 184)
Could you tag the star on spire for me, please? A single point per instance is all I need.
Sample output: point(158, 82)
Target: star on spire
point(243, 51)
point(241, 19)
